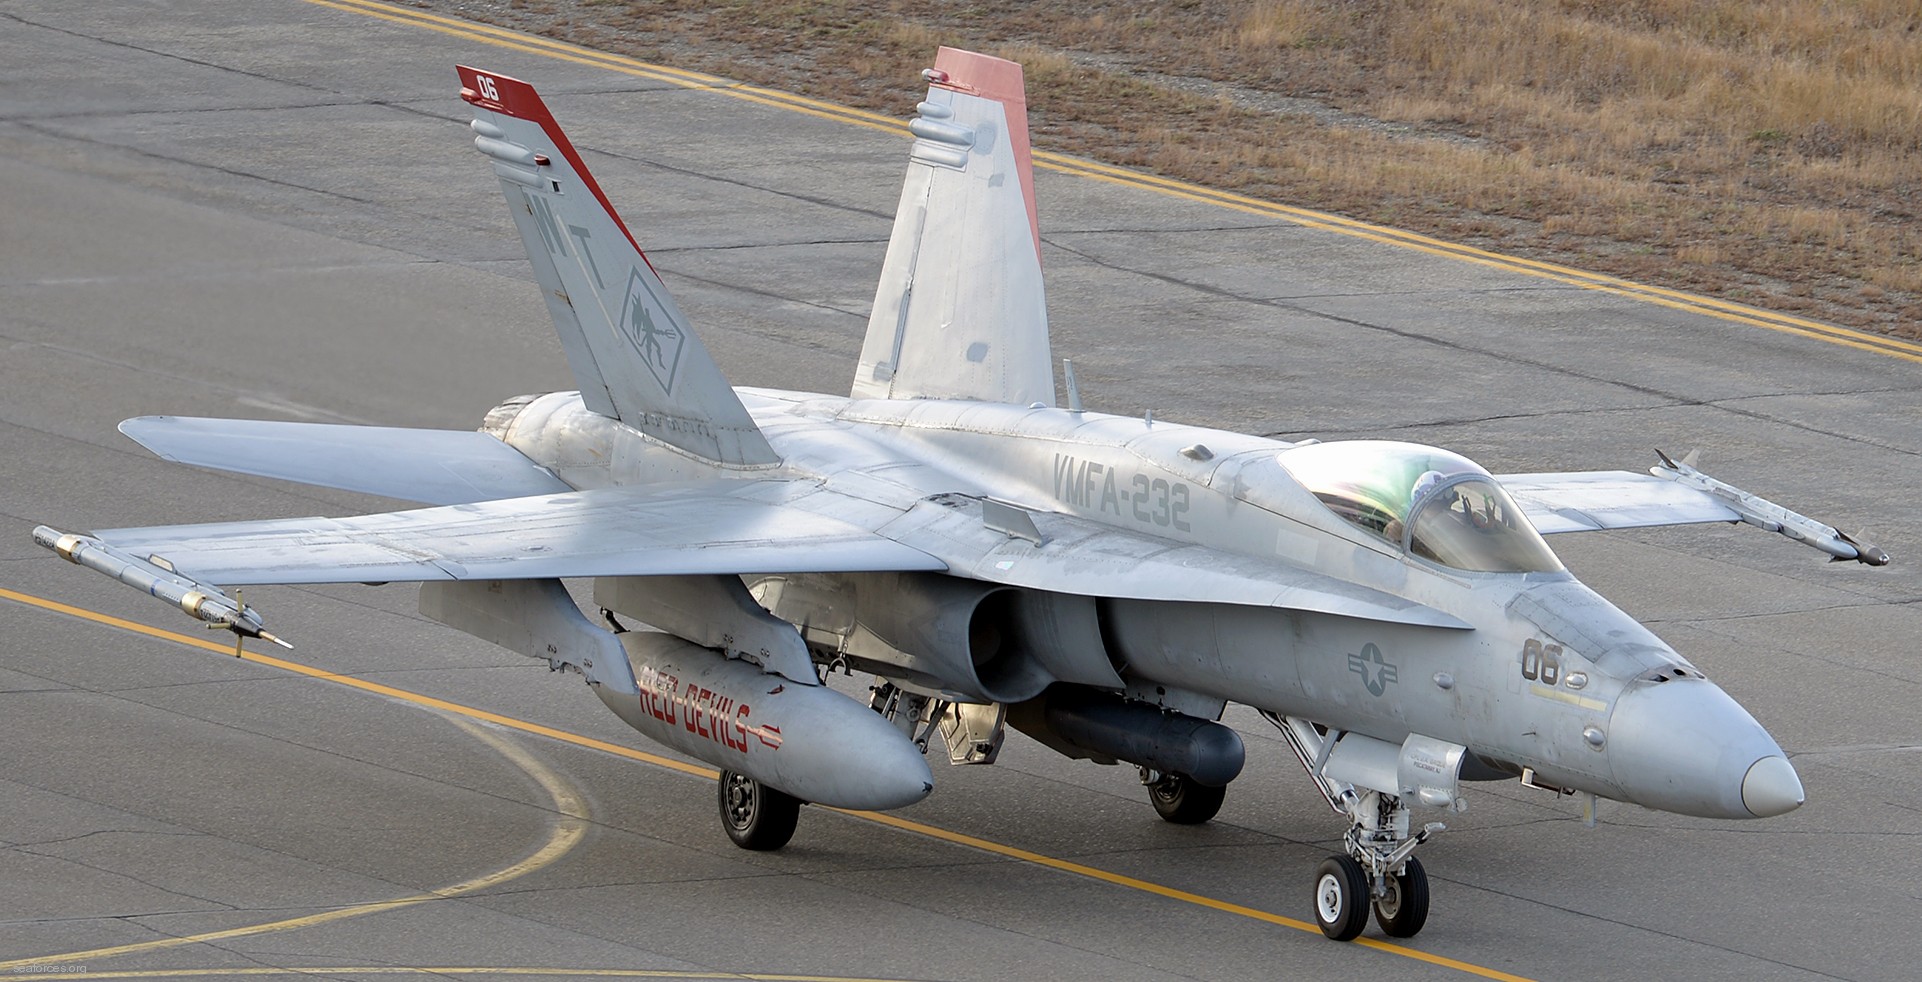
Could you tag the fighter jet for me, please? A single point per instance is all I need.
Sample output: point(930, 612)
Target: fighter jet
point(993, 558)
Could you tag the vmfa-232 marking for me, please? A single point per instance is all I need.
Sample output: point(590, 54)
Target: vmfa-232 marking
point(1086, 485)
point(1106, 585)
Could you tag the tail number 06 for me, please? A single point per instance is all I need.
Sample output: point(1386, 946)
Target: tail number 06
point(488, 90)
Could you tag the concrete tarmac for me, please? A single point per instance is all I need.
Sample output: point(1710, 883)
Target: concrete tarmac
point(272, 209)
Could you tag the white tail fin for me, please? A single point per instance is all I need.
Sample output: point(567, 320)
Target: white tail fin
point(960, 313)
point(630, 348)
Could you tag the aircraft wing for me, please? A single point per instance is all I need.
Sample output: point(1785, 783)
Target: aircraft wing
point(434, 467)
point(627, 531)
point(1584, 501)
point(1671, 493)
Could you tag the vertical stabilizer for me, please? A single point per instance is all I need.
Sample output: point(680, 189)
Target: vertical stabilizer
point(630, 348)
point(960, 312)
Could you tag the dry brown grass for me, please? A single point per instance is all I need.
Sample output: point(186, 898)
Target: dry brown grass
point(1765, 150)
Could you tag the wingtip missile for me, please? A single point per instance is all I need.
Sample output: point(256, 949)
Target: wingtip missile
point(1867, 553)
point(1764, 514)
point(156, 577)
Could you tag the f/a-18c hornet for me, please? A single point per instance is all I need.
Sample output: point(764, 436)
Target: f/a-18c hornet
point(1104, 584)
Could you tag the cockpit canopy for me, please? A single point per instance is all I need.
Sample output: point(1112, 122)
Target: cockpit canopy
point(1437, 505)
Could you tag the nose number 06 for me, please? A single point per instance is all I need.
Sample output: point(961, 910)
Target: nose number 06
point(1541, 662)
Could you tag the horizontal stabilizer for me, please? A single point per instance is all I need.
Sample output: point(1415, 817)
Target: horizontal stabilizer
point(434, 467)
point(626, 531)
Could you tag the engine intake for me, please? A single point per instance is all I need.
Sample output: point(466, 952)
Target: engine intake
point(976, 640)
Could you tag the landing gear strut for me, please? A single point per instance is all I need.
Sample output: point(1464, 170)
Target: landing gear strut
point(1379, 869)
point(756, 816)
point(1380, 845)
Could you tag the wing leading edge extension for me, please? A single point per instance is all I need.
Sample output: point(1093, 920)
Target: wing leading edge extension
point(1067, 554)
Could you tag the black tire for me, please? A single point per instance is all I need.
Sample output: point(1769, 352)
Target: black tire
point(754, 815)
point(1404, 910)
point(1180, 800)
point(1341, 898)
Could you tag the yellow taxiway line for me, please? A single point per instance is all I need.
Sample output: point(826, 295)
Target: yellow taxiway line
point(1662, 296)
point(567, 801)
point(488, 971)
point(563, 806)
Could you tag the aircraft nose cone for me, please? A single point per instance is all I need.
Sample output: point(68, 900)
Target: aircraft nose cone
point(1771, 788)
point(1686, 746)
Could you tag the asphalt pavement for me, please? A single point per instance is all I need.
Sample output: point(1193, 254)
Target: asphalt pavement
point(273, 210)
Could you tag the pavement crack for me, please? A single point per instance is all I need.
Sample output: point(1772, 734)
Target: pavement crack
point(736, 246)
point(184, 59)
point(712, 178)
point(233, 392)
point(1666, 400)
point(90, 918)
point(123, 874)
point(1633, 926)
point(89, 835)
point(175, 276)
point(1375, 432)
point(144, 457)
point(203, 165)
point(193, 111)
point(769, 294)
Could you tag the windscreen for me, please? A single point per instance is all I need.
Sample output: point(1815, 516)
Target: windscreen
point(1473, 524)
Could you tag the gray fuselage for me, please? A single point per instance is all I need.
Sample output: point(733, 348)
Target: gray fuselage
point(1546, 675)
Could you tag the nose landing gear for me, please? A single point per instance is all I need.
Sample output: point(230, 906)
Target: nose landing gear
point(1343, 895)
point(1378, 869)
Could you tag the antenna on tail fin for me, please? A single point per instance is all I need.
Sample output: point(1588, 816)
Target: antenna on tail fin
point(960, 312)
point(631, 349)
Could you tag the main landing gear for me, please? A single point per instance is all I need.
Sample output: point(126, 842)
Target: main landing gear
point(1178, 798)
point(754, 815)
point(1378, 869)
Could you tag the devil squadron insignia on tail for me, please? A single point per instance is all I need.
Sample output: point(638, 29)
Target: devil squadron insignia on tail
point(631, 350)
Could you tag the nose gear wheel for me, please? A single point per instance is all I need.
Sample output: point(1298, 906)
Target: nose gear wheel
point(1341, 898)
point(1402, 908)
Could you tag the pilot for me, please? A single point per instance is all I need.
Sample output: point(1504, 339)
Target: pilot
point(1423, 484)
